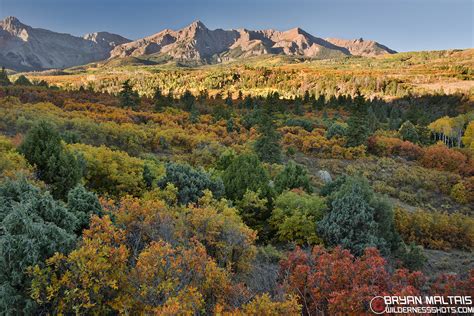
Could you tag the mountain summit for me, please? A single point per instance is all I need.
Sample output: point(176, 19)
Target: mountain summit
point(23, 47)
point(197, 42)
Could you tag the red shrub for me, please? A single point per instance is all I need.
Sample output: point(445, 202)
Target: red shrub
point(335, 282)
point(390, 146)
point(443, 158)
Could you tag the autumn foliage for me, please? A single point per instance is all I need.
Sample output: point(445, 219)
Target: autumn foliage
point(335, 282)
point(435, 230)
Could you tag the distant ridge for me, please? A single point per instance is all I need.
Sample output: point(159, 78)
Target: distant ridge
point(23, 47)
point(197, 42)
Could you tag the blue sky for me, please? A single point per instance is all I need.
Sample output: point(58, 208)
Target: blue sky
point(404, 25)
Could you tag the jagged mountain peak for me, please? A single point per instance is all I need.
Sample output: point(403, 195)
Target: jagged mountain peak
point(13, 21)
point(361, 47)
point(27, 48)
point(106, 39)
point(13, 25)
point(23, 47)
point(197, 24)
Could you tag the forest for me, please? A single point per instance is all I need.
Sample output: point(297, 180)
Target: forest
point(233, 190)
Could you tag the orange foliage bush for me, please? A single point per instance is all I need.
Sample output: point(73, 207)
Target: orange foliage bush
point(391, 146)
point(443, 158)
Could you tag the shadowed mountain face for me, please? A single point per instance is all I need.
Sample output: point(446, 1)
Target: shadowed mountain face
point(27, 48)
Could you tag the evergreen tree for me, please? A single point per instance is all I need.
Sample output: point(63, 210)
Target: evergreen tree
point(335, 129)
point(55, 165)
point(23, 81)
point(228, 101)
point(245, 172)
point(4, 80)
point(298, 107)
point(148, 176)
point(246, 182)
point(373, 122)
point(83, 204)
point(170, 98)
point(230, 125)
point(306, 97)
point(33, 227)
point(190, 182)
point(357, 218)
point(187, 100)
point(394, 119)
point(128, 97)
point(408, 132)
point(358, 129)
point(158, 100)
point(267, 146)
point(292, 177)
point(247, 102)
point(194, 115)
point(424, 135)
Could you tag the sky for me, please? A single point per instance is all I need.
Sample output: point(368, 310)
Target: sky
point(403, 25)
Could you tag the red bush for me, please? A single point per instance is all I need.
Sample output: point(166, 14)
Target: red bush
point(335, 282)
point(390, 146)
point(443, 158)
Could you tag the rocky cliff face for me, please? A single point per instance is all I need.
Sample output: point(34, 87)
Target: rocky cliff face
point(197, 42)
point(107, 41)
point(361, 47)
point(23, 47)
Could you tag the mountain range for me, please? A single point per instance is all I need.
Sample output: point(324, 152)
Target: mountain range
point(25, 48)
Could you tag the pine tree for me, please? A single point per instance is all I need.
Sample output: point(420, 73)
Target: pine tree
point(34, 227)
point(148, 176)
point(358, 130)
point(394, 119)
point(294, 176)
point(267, 146)
point(83, 204)
point(245, 172)
point(230, 125)
point(23, 81)
point(298, 107)
point(194, 115)
point(228, 101)
point(190, 182)
point(408, 132)
point(187, 100)
point(373, 122)
point(358, 218)
point(306, 97)
point(4, 80)
point(158, 100)
point(56, 166)
point(128, 97)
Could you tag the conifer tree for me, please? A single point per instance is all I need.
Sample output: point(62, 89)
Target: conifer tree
point(158, 100)
point(408, 132)
point(23, 81)
point(188, 100)
point(34, 226)
point(55, 165)
point(4, 80)
point(128, 97)
point(267, 146)
point(358, 130)
point(358, 218)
